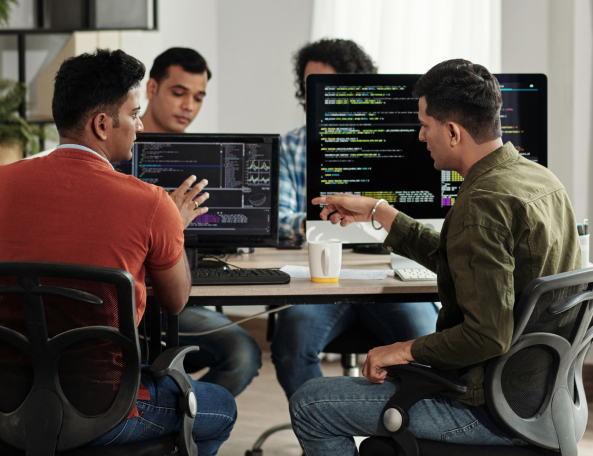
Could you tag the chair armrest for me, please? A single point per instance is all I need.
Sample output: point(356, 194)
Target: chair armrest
point(446, 380)
point(170, 363)
point(171, 359)
point(417, 382)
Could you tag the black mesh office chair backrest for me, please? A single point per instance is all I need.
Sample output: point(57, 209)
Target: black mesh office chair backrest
point(69, 354)
point(536, 389)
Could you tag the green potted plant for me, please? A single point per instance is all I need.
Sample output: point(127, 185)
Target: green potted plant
point(16, 135)
point(5, 10)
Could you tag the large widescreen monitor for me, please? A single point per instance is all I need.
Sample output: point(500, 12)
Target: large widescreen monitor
point(242, 173)
point(362, 138)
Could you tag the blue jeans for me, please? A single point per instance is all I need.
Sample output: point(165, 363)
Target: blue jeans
point(327, 412)
point(160, 415)
point(303, 331)
point(232, 354)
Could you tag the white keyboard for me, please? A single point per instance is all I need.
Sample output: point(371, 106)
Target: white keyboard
point(415, 274)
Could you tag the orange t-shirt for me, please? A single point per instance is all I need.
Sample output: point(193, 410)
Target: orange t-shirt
point(73, 207)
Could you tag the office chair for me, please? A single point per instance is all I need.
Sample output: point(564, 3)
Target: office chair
point(70, 362)
point(352, 342)
point(535, 391)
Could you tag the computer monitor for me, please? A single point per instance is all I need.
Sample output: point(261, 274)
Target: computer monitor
point(124, 167)
point(362, 138)
point(242, 173)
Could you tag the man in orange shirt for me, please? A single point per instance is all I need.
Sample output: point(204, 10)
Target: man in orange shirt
point(87, 213)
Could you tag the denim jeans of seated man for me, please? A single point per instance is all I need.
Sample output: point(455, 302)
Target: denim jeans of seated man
point(327, 412)
point(160, 415)
point(303, 331)
point(232, 355)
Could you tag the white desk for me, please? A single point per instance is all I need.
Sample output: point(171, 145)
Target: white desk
point(303, 291)
point(298, 291)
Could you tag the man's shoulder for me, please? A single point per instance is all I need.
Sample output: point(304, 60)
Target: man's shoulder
point(519, 180)
point(497, 197)
point(136, 187)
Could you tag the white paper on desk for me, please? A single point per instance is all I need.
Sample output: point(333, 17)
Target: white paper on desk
point(302, 272)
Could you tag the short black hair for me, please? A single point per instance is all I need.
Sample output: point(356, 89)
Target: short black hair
point(344, 56)
point(464, 92)
point(92, 83)
point(190, 60)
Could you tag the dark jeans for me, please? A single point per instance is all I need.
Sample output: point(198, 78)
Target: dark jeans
point(303, 331)
point(327, 412)
point(231, 354)
point(160, 415)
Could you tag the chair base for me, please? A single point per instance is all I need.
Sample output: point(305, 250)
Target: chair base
point(256, 450)
point(386, 446)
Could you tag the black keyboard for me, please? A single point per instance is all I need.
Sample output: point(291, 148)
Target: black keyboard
point(203, 276)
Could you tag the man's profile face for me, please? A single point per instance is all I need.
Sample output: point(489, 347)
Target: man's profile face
point(177, 99)
point(122, 138)
point(437, 138)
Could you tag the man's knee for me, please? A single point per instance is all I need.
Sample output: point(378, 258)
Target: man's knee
point(306, 395)
point(215, 401)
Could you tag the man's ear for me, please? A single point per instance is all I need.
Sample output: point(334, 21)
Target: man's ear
point(151, 88)
point(454, 133)
point(100, 124)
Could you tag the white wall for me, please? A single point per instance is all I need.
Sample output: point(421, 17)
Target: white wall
point(256, 42)
point(556, 38)
point(248, 46)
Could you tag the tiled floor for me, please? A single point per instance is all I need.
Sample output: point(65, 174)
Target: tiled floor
point(263, 405)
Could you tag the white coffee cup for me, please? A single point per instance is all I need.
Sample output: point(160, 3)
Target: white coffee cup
point(325, 260)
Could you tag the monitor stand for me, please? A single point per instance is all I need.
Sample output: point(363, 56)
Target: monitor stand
point(211, 264)
point(370, 249)
point(196, 260)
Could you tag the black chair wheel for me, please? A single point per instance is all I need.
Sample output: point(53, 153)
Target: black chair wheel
point(254, 453)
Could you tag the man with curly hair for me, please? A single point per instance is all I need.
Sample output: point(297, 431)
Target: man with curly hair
point(303, 331)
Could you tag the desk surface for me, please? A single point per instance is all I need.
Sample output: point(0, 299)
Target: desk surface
point(273, 258)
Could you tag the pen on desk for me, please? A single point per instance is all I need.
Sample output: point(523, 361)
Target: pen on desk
point(586, 227)
point(580, 229)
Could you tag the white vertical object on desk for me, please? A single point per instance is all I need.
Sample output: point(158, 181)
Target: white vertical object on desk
point(584, 240)
point(325, 261)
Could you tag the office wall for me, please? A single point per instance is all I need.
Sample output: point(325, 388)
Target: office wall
point(556, 38)
point(183, 23)
point(256, 41)
point(248, 46)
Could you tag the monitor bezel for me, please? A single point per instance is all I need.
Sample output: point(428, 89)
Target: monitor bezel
point(213, 241)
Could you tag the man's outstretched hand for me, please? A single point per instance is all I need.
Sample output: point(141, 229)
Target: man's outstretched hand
point(345, 209)
point(387, 355)
point(185, 199)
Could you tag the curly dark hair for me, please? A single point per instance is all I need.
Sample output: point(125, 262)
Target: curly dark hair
point(464, 92)
point(345, 56)
point(91, 83)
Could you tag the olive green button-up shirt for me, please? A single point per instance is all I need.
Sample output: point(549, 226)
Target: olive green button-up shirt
point(511, 223)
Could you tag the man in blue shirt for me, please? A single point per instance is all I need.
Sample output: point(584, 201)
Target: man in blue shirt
point(303, 331)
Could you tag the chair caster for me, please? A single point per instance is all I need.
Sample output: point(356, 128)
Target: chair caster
point(254, 453)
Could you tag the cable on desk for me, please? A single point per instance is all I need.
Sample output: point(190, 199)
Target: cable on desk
point(210, 331)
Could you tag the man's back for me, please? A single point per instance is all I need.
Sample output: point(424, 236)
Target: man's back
point(527, 206)
point(512, 223)
point(74, 208)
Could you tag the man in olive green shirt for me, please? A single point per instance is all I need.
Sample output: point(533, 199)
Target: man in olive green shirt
point(511, 223)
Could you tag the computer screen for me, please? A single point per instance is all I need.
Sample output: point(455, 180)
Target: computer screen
point(242, 173)
point(124, 167)
point(362, 138)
